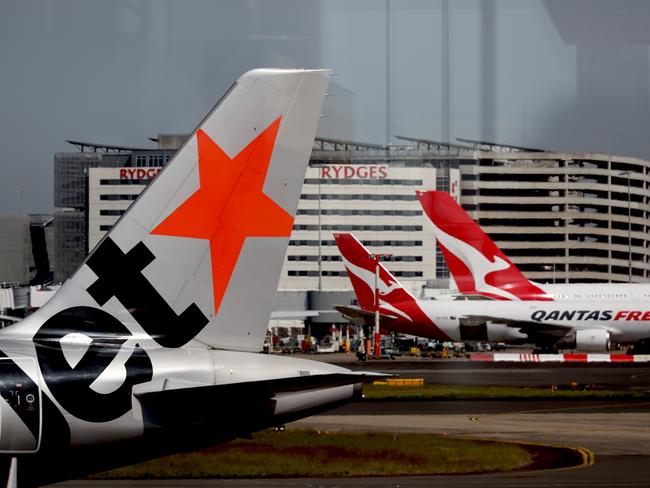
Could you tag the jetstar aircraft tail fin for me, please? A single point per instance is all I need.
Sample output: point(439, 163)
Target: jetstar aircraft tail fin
point(474, 260)
point(362, 271)
point(198, 255)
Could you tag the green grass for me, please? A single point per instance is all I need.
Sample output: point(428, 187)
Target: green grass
point(453, 392)
point(314, 454)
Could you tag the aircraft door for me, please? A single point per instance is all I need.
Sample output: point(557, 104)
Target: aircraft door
point(20, 405)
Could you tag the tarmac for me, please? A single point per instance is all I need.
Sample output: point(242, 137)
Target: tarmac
point(617, 433)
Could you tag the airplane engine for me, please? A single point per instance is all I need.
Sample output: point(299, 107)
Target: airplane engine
point(593, 340)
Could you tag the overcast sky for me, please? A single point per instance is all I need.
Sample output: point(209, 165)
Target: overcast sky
point(570, 75)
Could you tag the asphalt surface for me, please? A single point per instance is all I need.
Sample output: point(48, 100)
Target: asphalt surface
point(456, 372)
point(432, 407)
point(618, 433)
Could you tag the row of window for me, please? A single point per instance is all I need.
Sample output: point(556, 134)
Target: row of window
point(356, 196)
point(348, 211)
point(324, 242)
point(350, 181)
point(111, 212)
point(326, 258)
point(151, 161)
point(125, 181)
point(305, 272)
point(118, 197)
point(373, 228)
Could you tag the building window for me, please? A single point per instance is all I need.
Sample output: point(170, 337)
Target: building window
point(117, 197)
point(156, 160)
point(125, 181)
point(369, 228)
point(348, 212)
point(111, 212)
point(141, 161)
point(343, 181)
point(408, 274)
point(357, 196)
point(301, 272)
point(324, 242)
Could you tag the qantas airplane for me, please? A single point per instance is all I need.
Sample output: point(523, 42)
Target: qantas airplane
point(588, 326)
point(152, 346)
point(480, 268)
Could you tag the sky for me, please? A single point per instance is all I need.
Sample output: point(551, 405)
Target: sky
point(571, 75)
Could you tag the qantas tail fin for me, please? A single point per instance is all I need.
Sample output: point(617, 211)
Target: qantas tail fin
point(198, 255)
point(361, 271)
point(476, 263)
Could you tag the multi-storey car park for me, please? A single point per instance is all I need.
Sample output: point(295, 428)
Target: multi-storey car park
point(562, 217)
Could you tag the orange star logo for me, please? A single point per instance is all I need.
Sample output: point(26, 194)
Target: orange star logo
point(229, 205)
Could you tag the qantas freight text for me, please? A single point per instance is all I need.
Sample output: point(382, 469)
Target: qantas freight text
point(628, 315)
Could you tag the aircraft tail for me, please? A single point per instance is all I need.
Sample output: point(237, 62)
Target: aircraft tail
point(477, 265)
point(198, 255)
point(361, 271)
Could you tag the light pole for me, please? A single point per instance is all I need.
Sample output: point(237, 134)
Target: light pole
point(376, 338)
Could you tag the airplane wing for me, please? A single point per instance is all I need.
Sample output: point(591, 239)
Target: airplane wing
point(186, 406)
point(538, 332)
point(364, 315)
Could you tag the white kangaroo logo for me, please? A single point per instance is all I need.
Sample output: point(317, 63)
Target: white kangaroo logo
point(368, 277)
point(478, 264)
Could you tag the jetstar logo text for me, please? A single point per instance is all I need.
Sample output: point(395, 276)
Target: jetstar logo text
point(626, 315)
point(138, 173)
point(356, 171)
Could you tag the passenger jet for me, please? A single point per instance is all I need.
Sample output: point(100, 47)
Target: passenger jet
point(151, 347)
point(589, 326)
point(480, 268)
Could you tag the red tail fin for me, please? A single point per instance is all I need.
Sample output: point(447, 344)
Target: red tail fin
point(361, 270)
point(476, 263)
point(394, 299)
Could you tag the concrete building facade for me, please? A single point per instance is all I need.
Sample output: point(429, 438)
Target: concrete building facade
point(563, 217)
point(560, 217)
